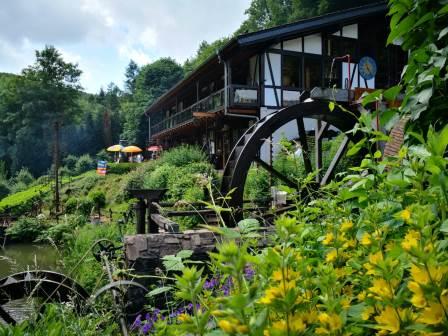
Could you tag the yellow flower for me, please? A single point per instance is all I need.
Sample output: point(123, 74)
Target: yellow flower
point(374, 259)
point(280, 325)
point(346, 225)
point(331, 256)
point(405, 215)
point(329, 237)
point(421, 276)
point(349, 243)
point(183, 317)
point(242, 329)
point(418, 299)
point(366, 239)
point(382, 289)
point(287, 272)
point(329, 323)
point(433, 314)
point(345, 303)
point(367, 312)
point(388, 320)
point(226, 325)
point(277, 292)
point(297, 324)
point(411, 240)
point(361, 296)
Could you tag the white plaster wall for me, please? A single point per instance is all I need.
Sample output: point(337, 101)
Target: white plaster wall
point(276, 69)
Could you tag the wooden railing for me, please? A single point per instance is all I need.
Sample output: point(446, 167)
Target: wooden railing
point(239, 96)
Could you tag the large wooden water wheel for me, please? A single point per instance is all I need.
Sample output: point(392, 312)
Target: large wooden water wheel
point(247, 150)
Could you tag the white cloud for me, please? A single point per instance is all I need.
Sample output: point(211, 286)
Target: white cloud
point(102, 35)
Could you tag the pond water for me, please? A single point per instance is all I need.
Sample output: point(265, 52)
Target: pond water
point(21, 257)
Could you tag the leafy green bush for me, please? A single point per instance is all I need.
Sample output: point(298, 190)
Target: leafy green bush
point(133, 180)
point(183, 155)
point(121, 168)
point(70, 162)
point(89, 182)
point(22, 202)
point(99, 200)
point(85, 206)
point(71, 205)
point(25, 229)
point(84, 164)
point(24, 176)
point(257, 185)
point(4, 189)
point(158, 179)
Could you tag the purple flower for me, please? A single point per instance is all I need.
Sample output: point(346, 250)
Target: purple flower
point(146, 328)
point(249, 272)
point(137, 322)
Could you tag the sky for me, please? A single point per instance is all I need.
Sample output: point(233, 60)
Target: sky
point(103, 35)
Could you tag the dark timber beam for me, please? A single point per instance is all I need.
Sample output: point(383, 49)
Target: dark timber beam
point(276, 173)
point(335, 161)
point(304, 143)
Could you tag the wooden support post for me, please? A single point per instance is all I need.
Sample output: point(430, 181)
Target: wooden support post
point(152, 225)
point(318, 149)
point(140, 209)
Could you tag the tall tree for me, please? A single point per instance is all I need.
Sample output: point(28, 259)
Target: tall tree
point(131, 74)
point(53, 89)
point(152, 81)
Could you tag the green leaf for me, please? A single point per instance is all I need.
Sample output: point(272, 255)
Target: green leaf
point(331, 106)
point(159, 290)
point(371, 97)
point(356, 148)
point(184, 254)
point(423, 19)
point(248, 225)
point(172, 263)
point(444, 226)
point(392, 93)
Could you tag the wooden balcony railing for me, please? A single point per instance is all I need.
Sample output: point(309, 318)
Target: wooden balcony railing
point(239, 96)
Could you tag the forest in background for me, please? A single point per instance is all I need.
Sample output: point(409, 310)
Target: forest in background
point(94, 121)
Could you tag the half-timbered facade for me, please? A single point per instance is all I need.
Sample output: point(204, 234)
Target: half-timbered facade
point(260, 72)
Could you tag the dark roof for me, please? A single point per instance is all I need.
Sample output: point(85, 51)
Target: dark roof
point(271, 35)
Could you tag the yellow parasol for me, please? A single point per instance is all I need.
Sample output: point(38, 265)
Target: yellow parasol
point(115, 148)
point(132, 149)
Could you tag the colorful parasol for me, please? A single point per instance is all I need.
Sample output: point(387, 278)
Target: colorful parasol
point(154, 148)
point(115, 148)
point(132, 149)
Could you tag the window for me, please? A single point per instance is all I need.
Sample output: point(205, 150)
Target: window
point(312, 72)
point(291, 71)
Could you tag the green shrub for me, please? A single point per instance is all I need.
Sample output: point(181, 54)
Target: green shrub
point(70, 162)
point(183, 155)
point(102, 155)
point(84, 164)
point(257, 185)
point(133, 180)
point(58, 233)
point(4, 189)
point(71, 205)
point(24, 176)
point(158, 179)
point(89, 182)
point(85, 206)
point(22, 202)
point(25, 230)
point(99, 200)
point(121, 168)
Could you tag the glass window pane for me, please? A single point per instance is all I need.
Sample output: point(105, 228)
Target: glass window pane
point(313, 72)
point(291, 71)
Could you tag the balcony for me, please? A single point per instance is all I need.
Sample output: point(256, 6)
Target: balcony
point(239, 96)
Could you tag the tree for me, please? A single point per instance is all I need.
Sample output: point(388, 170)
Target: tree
point(204, 51)
point(131, 73)
point(152, 81)
point(52, 90)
